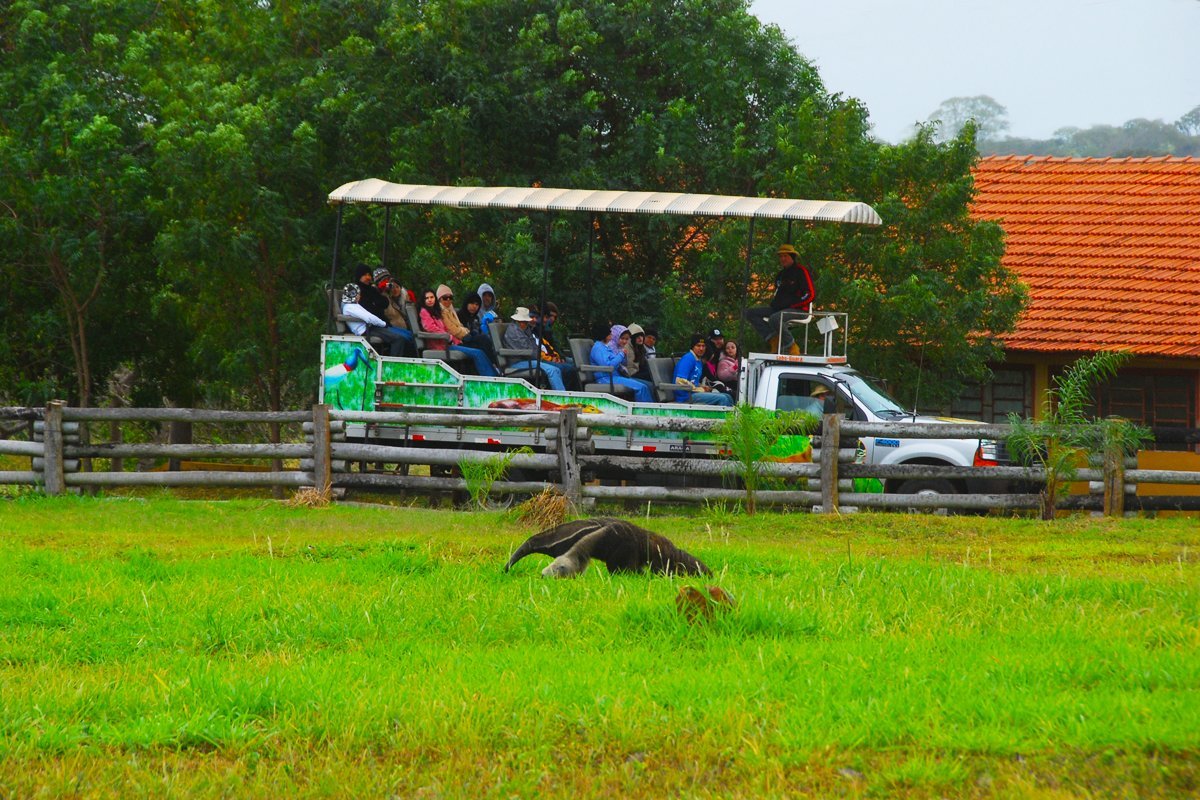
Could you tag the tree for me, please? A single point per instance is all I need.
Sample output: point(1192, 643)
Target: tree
point(242, 103)
point(1135, 138)
point(1189, 123)
point(990, 118)
point(242, 116)
point(75, 175)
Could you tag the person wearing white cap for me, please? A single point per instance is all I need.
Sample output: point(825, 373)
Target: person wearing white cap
point(521, 337)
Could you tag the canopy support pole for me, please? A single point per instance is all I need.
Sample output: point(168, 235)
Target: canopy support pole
point(387, 227)
point(540, 329)
point(333, 290)
point(746, 283)
point(591, 239)
point(789, 236)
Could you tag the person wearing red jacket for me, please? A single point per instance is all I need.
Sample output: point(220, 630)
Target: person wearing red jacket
point(794, 293)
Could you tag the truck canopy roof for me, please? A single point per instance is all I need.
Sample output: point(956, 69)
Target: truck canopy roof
point(381, 192)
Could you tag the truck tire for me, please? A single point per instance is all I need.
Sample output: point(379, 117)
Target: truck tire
point(927, 487)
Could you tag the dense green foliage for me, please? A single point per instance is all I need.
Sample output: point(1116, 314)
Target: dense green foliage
point(249, 649)
point(164, 169)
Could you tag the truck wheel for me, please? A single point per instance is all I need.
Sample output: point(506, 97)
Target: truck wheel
point(926, 487)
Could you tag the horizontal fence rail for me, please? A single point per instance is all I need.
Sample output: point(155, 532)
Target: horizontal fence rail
point(63, 457)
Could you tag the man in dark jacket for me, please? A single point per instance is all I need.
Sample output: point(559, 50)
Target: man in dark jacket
point(375, 301)
point(794, 295)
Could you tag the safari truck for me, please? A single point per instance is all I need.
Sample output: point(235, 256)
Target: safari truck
point(357, 377)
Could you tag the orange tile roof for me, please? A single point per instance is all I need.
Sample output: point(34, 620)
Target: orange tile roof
point(1110, 249)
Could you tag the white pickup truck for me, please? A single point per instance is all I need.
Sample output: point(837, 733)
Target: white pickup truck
point(787, 383)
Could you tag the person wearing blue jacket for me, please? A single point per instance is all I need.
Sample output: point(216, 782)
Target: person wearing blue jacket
point(689, 372)
point(611, 353)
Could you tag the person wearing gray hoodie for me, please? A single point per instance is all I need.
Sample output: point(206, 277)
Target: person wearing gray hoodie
point(489, 309)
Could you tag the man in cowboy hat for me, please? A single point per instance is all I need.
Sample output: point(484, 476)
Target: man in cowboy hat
point(794, 294)
point(521, 337)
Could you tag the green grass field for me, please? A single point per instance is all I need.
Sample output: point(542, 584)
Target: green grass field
point(167, 648)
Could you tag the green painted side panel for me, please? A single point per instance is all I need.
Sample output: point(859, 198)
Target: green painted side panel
point(868, 485)
point(426, 383)
point(349, 384)
point(481, 393)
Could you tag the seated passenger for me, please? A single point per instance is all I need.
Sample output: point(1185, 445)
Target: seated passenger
point(650, 342)
point(713, 349)
point(468, 315)
point(729, 367)
point(521, 337)
point(545, 321)
point(689, 372)
point(431, 320)
point(637, 361)
point(466, 336)
point(542, 325)
point(611, 353)
point(488, 310)
point(395, 297)
point(363, 322)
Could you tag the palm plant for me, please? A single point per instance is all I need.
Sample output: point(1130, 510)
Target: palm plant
point(482, 473)
point(1064, 430)
point(749, 434)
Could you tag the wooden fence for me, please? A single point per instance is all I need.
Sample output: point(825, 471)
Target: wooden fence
point(64, 458)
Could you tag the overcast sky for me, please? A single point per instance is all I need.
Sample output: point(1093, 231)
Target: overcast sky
point(1051, 63)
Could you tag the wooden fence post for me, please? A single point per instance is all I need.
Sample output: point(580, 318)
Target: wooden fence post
point(1114, 484)
point(52, 443)
point(569, 474)
point(831, 435)
point(322, 456)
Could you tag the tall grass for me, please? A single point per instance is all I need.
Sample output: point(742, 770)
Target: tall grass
point(208, 648)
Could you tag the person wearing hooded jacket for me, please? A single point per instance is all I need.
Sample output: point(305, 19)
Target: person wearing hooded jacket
point(611, 353)
point(488, 310)
point(395, 298)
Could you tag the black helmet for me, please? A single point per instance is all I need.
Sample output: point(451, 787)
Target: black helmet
point(351, 293)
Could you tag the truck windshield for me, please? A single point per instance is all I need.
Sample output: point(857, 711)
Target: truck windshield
point(875, 399)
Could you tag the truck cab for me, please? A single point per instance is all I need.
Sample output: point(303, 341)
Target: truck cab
point(789, 383)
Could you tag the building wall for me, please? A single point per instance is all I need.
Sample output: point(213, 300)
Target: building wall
point(1163, 394)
